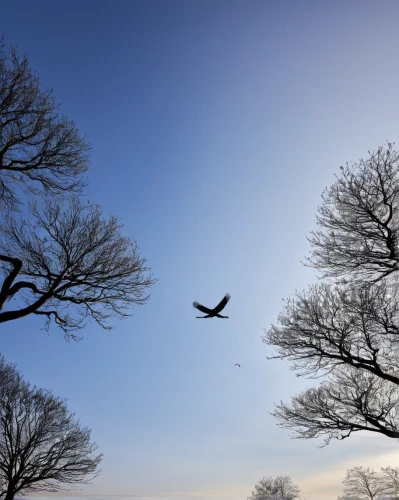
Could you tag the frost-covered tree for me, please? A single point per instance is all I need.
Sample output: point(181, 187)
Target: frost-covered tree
point(364, 483)
point(390, 476)
point(281, 487)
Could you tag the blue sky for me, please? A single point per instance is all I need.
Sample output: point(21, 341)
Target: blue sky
point(215, 126)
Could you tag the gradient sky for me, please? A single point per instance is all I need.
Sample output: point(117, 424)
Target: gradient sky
point(215, 126)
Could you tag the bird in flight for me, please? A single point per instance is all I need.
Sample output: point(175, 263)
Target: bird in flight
point(237, 365)
point(212, 313)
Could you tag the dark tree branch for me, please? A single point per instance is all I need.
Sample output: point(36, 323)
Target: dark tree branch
point(51, 313)
point(42, 446)
point(330, 326)
point(5, 289)
point(17, 287)
point(348, 328)
point(352, 401)
point(358, 221)
point(72, 256)
point(66, 262)
point(37, 147)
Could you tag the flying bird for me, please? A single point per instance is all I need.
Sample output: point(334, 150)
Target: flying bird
point(211, 313)
point(237, 365)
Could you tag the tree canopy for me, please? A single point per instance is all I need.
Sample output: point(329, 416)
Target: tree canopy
point(278, 487)
point(346, 329)
point(358, 221)
point(39, 150)
point(42, 445)
point(58, 256)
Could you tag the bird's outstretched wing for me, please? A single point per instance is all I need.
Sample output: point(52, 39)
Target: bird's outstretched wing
point(222, 304)
point(201, 308)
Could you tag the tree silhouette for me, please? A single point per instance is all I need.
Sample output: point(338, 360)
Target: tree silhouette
point(58, 256)
point(39, 150)
point(358, 221)
point(346, 329)
point(351, 400)
point(42, 446)
point(71, 255)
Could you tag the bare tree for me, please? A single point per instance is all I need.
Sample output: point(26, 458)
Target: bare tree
point(390, 477)
point(69, 255)
point(42, 446)
point(359, 220)
point(279, 487)
point(348, 329)
point(352, 400)
point(61, 253)
point(350, 333)
point(39, 149)
point(332, 325)
point(363, 483)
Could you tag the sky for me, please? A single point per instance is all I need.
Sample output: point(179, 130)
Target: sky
point(215, 127)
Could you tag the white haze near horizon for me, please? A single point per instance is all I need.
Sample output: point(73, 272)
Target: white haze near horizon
point(137, 497)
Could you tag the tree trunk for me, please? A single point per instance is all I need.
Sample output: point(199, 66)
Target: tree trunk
point(10, 492)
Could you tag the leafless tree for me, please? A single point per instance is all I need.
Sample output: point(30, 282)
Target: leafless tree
point(348, 327)
point(363, 483)
point(359, 220)
point(42, 446)
point(351, 334)
point(350, 401)
point(60, 253)
point(331, 325)
point(390, 477)
point(39, 149)
point(279, 487)
point(69, 255)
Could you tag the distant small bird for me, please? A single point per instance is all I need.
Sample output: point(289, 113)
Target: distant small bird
point(211, 313)
point(237, 365)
